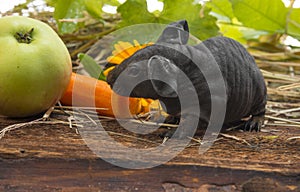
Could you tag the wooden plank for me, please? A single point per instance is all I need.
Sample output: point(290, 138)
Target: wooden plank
point(52, 157)
point(97, 175)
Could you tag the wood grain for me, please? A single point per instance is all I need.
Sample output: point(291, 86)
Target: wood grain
point(47, 157)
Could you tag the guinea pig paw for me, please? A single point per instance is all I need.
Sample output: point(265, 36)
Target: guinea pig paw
point(167, 133)
point(253, 124)
point(171, 119)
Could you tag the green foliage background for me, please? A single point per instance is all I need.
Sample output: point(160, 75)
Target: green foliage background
point(239, 19)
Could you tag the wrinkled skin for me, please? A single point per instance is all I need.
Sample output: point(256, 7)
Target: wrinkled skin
point(245, 86)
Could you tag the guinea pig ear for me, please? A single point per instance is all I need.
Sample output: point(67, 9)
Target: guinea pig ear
point(175, 33)
point(163, 75)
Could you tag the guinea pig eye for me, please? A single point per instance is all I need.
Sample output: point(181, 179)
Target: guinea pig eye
point(133, 71)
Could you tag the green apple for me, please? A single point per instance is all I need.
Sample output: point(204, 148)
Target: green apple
point(35, 66)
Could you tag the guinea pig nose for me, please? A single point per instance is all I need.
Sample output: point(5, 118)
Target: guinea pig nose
point(109, 79)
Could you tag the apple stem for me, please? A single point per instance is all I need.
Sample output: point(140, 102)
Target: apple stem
point(24, 37)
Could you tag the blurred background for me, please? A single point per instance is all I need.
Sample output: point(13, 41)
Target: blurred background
point(269, 29)
point(230, 18)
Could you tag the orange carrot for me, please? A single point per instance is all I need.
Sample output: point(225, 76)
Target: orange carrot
point(80, 93)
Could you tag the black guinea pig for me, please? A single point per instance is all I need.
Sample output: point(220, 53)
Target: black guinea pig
point(156, 72)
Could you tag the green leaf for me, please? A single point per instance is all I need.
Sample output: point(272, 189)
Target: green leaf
point(202, 25)
point(268, 15)
point(111, 2)
point(68, 9)
point(94, 7)
point(233, 32)
point(222, 7)
point(91, 67)
point(102, 76)
point(294, 23)
point(176, 10)
point(135, 12)
point(51, 2)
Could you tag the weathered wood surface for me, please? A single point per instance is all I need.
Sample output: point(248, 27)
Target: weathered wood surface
point(46, 157)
